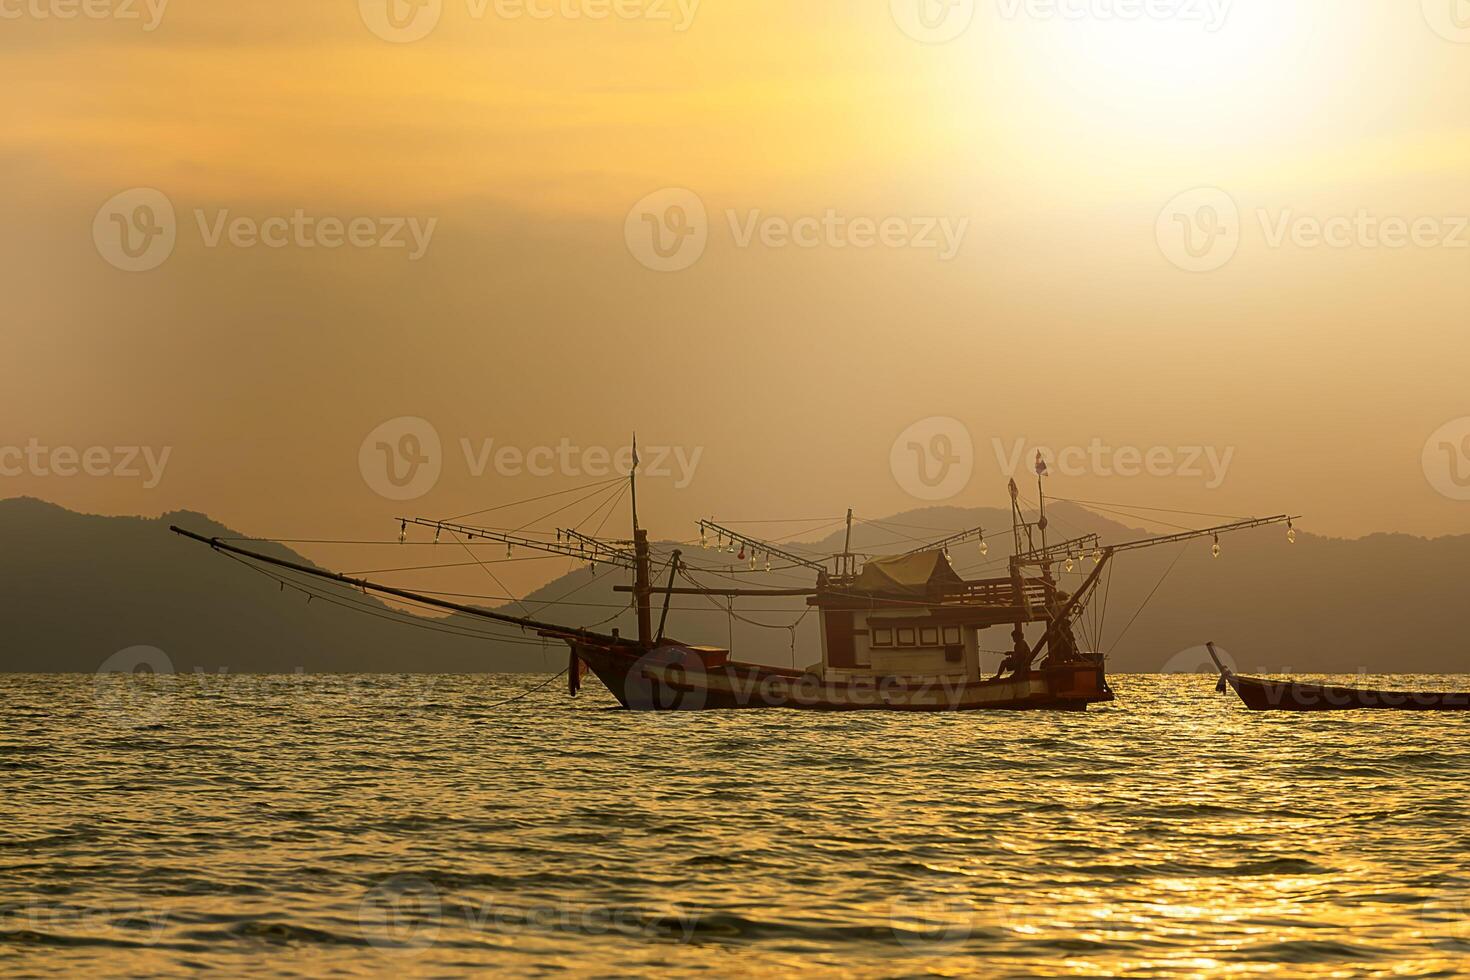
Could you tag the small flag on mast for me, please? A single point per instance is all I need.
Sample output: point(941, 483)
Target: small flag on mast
point(635, 450)
point(1040, 464)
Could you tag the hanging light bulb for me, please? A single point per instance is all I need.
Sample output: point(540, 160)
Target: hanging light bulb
point(437, 529)
point(752, 561)
point(1290, 533)
point(1096, 555)
point(946, 552)
point(768, 561)
point(741, 556)
point(703, 538)
point(1068, 566)
point(402, 531)
point(1215, 548)
point(507, 549)
point(984, 546)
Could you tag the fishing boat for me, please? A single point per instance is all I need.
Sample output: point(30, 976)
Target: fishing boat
point(899, 632)
point(1263, 694)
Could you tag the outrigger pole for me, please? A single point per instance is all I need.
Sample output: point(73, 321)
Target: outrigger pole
point(363, 585)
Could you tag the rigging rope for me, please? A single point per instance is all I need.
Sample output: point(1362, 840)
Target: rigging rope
point(1150, 595)
point(532, 500)
point(528, 693)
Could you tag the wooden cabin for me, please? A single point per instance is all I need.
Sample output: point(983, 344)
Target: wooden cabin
point(914, 616)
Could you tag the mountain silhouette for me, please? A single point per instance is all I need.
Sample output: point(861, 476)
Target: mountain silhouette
point(75, 589)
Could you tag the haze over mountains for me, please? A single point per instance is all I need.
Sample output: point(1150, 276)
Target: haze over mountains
point(75, 589)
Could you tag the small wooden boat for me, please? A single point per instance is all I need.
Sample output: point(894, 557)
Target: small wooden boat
point(1261, 694)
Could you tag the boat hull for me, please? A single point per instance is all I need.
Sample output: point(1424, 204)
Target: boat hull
point(1260, 694)
point(675, 678)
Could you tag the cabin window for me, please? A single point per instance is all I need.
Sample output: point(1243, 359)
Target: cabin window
point(951, 636)
point(905, 637)
point(954, 654)
point(929, 637)
point(882, 637)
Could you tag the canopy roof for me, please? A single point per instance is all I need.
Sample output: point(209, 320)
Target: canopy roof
point(923, 573)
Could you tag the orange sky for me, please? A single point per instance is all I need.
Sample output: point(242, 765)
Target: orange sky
point(1063, 317)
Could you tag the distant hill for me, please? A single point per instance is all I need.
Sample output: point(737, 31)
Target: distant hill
point(76, 588)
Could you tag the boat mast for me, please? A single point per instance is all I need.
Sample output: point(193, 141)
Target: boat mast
point(845, 566)
point(642, 588)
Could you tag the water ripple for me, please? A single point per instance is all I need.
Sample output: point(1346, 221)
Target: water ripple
point(395, 824)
